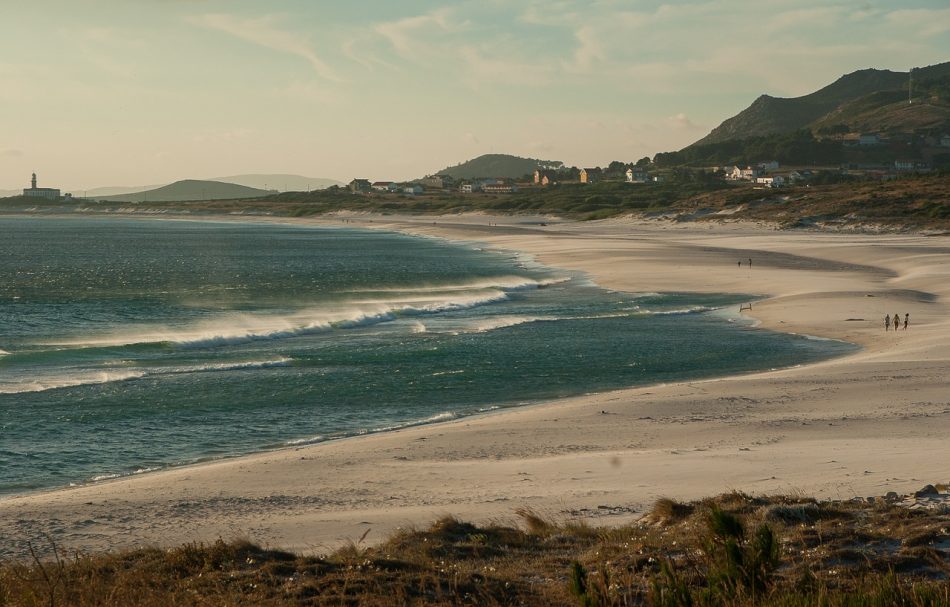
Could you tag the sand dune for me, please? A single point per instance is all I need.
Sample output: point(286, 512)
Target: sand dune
point(861, 425)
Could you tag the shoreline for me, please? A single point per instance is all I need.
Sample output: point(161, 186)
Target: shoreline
point(290, 522)
point(488, 409)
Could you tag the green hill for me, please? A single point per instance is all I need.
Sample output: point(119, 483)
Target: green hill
point(279, 181)
point(498, 165)
point(867, 89)
point(191, 190)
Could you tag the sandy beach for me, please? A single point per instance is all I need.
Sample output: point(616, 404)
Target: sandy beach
point(860, 425)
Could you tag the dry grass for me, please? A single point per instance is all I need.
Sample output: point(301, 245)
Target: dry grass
point(828, 553)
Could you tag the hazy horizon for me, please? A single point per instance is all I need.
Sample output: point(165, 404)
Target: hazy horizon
point(106, 93)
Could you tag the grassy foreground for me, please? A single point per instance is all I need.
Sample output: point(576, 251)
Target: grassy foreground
point(733, 550)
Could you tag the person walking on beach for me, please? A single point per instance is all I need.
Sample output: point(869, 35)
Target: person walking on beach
point(740, 264)
point(750, 263)
point(897, 322)
point(906, 320)
point(887, 322)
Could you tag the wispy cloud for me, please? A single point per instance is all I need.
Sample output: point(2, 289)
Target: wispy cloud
point(11, 153)
point(409, 36)
point(265, 32)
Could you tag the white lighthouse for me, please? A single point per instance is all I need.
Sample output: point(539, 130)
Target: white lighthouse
point(35, 192)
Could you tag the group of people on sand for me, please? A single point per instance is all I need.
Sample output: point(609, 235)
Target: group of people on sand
point(897, 322)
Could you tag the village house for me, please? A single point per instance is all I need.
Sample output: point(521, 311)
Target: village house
point(497, 186)
point(545, 177)
point(360, 185)
point(467, 188)
point(637, 175)
point(385, 186)
point(945, 141)
point(433, 181)
point(869, 139)
point(411, 189)
point(770, 165)
point(591, 175)
point(772, 181)
point(739, 174)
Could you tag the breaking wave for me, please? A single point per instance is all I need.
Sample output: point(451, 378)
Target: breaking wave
point(95, 377)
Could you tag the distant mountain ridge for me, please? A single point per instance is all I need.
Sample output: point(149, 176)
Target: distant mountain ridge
point(774, 115)
point(497, 165)
point(189, 190)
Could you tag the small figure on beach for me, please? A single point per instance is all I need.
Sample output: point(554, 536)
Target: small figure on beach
point(887, 322)
point(906, 320)
point(897, 321)
point(750, 263)
point(740, 264)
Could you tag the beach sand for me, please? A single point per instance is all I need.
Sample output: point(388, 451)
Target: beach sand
point(860, 425)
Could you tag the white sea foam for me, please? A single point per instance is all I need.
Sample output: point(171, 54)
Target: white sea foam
point(104, 477)
point(4, 353)
point(232, 329)
point(681, 311)
point(226, 366)
point(95, 377)
point(510, 283)
point(439, 417)
point(455, 372)
point(83, 378)
point(495, 323)
point(305, 441)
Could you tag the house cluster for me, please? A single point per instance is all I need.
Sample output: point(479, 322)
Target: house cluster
point(433, 183)
point(765, 174)
point(632, 174)
point(408, 188)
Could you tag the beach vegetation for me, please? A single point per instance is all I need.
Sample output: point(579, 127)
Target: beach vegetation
point(733, 550)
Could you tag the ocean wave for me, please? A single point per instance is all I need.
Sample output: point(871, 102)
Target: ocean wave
point(90, 378)
point(438, 417)
point(508, 283)
point(495, 323)
point(226, 366)
point(305, 441)
point(69, 381)
point(245, 328)
point(4, 353)
point(680, 311)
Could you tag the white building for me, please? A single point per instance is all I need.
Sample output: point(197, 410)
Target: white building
point(637, 176)
point(35, 192)
point(773, 181)
point(385, 186)
point(746, 174)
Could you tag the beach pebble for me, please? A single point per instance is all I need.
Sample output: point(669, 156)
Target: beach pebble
point(891, 496)
point(927, 490)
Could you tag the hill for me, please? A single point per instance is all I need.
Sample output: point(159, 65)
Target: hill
point(117, 190)
point(498, 165)
point(191, 190)
point(279, 181)
point(774, 115)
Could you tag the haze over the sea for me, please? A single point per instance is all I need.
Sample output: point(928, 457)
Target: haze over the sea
point(165, 90)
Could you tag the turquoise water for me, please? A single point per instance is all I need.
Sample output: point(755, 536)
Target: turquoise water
point(130, 345)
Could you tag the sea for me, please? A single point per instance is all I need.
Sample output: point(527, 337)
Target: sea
point(131, 345)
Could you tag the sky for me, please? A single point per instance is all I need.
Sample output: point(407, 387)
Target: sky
point(134, 92)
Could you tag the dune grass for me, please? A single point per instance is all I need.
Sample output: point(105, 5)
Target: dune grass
point(733, 550)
